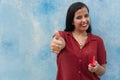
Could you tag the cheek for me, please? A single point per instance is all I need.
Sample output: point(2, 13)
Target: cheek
point(76, 22)
point(88, 20)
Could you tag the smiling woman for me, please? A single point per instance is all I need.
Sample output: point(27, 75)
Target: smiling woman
point(72, 58)
point(26, 29)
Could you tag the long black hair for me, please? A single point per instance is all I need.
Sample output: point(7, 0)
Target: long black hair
point(70, 15)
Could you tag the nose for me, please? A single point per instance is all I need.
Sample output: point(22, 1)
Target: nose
point(83, 19)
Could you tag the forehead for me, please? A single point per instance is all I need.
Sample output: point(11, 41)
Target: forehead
point(81, 11)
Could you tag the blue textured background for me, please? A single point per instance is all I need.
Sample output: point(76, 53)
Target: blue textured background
point(26, 28)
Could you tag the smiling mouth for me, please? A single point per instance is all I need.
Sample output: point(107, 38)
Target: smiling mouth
point(84, 25)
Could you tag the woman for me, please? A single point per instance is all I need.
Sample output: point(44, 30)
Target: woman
point(76, 46)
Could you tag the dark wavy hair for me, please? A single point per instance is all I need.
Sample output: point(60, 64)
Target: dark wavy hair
point(70, 15)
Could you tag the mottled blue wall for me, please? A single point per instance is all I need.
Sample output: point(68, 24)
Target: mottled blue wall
point(26, 28)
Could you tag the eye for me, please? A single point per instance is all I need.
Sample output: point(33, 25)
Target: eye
point(78, 17)
point(87, 15)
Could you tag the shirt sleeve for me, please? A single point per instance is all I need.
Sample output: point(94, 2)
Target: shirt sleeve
point(101, 55)
point(62, 34)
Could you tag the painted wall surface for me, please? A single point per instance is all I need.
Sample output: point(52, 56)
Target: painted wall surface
point(26, 29)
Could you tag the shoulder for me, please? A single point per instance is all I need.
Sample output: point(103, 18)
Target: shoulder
point(64, 33)
point(96, 37)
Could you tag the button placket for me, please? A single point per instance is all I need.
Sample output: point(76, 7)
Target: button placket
point(79, 61)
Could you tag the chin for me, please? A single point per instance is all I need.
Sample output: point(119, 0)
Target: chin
point(85, 28)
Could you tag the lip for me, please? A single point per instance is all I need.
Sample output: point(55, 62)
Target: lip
point(84, 25)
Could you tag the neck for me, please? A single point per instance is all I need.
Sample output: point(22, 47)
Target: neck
point(80, 33)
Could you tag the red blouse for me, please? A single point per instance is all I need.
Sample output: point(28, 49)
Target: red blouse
point(73, 62)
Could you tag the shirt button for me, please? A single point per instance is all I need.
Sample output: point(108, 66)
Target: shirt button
point(79, 72)
point(80, 60)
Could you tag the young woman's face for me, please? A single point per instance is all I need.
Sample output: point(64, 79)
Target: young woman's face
point(81, 19)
